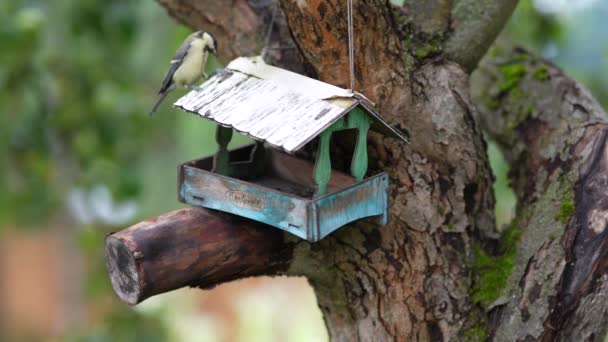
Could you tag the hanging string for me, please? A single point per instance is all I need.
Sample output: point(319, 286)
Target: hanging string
point(351, 48)
point(269, 32)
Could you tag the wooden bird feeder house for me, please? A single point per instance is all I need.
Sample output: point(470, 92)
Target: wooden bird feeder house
point(283, 111)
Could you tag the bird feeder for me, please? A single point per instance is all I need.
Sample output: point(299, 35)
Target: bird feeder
point(283, 111)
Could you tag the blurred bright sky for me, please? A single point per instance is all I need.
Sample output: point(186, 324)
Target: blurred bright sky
point(585, 34)
point(563, 6)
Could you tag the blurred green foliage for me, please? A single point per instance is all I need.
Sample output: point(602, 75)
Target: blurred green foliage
point(123, 326)
point(72, 102)
point(75, 87)
point(533, 29)
point(572, 34)
point(77, 79)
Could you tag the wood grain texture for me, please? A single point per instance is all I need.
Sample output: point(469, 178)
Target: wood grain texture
point(263, 110)
point(278, 199)
point(190, 247)
point(407, 281)
point(465, 29)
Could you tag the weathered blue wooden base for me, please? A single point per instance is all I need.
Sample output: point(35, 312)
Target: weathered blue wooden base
point(283, 197)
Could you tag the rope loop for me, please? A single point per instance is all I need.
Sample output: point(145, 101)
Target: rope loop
point(351, 48)
point(269, 33)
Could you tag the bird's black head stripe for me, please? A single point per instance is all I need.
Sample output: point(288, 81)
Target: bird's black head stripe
point(214, 40)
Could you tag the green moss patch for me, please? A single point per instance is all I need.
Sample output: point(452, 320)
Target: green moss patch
point(492, 272)
point(566, 210)
point(541, 73)
point(512, 74)
point(429, 46)
point(420, 45)
point(478, 332)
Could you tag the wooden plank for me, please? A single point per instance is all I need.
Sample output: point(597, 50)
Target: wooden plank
point(245, 199)
point(187, 247)
point(357, 119)
point(276, 106)
point(279, 165)
point(300, 171)
point(283, 196)
point(264, 110)
point(310, 87)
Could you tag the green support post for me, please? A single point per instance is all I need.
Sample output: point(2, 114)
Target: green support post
point(357, 119)
point(258, 159)
point(361, 121)
point(221, 161)
point(323, 164)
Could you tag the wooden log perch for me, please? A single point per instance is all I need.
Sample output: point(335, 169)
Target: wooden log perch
point(190, 247)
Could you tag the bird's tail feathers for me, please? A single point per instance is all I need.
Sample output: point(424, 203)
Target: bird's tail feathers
point(160, 99)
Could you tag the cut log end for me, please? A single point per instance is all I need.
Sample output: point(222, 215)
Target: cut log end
point(122, 269)
point(192, 247)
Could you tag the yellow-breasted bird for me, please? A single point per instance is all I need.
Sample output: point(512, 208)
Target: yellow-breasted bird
point(188, 64)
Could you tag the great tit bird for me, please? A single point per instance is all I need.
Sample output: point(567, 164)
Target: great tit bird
point(188, 64)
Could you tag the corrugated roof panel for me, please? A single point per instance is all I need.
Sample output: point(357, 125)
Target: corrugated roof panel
point(255, 66)
point(262, 109)
point(282, 108)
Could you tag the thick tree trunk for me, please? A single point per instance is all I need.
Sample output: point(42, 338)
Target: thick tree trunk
point(555, 136)
point(429, 274)
point(408, 280)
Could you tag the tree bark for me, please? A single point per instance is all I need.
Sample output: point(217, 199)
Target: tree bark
point(408, 280)
point(241, 28)
point(555, 136)
point(190, 247)
point(426, 275)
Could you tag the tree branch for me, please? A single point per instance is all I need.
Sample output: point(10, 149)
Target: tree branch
point(240, 28)
point(431, 17)
point(459, 30)
point(555, 135)
point(190, 247)
point(476, 24)
point(236, 27)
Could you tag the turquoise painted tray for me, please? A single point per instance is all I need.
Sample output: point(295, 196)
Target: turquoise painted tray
point(283, 197)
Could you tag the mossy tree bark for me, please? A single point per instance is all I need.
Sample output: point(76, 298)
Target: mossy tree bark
point(429, 275)
point(555, 136)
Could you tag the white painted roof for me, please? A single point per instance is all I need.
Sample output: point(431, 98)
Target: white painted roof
point(270, 104)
